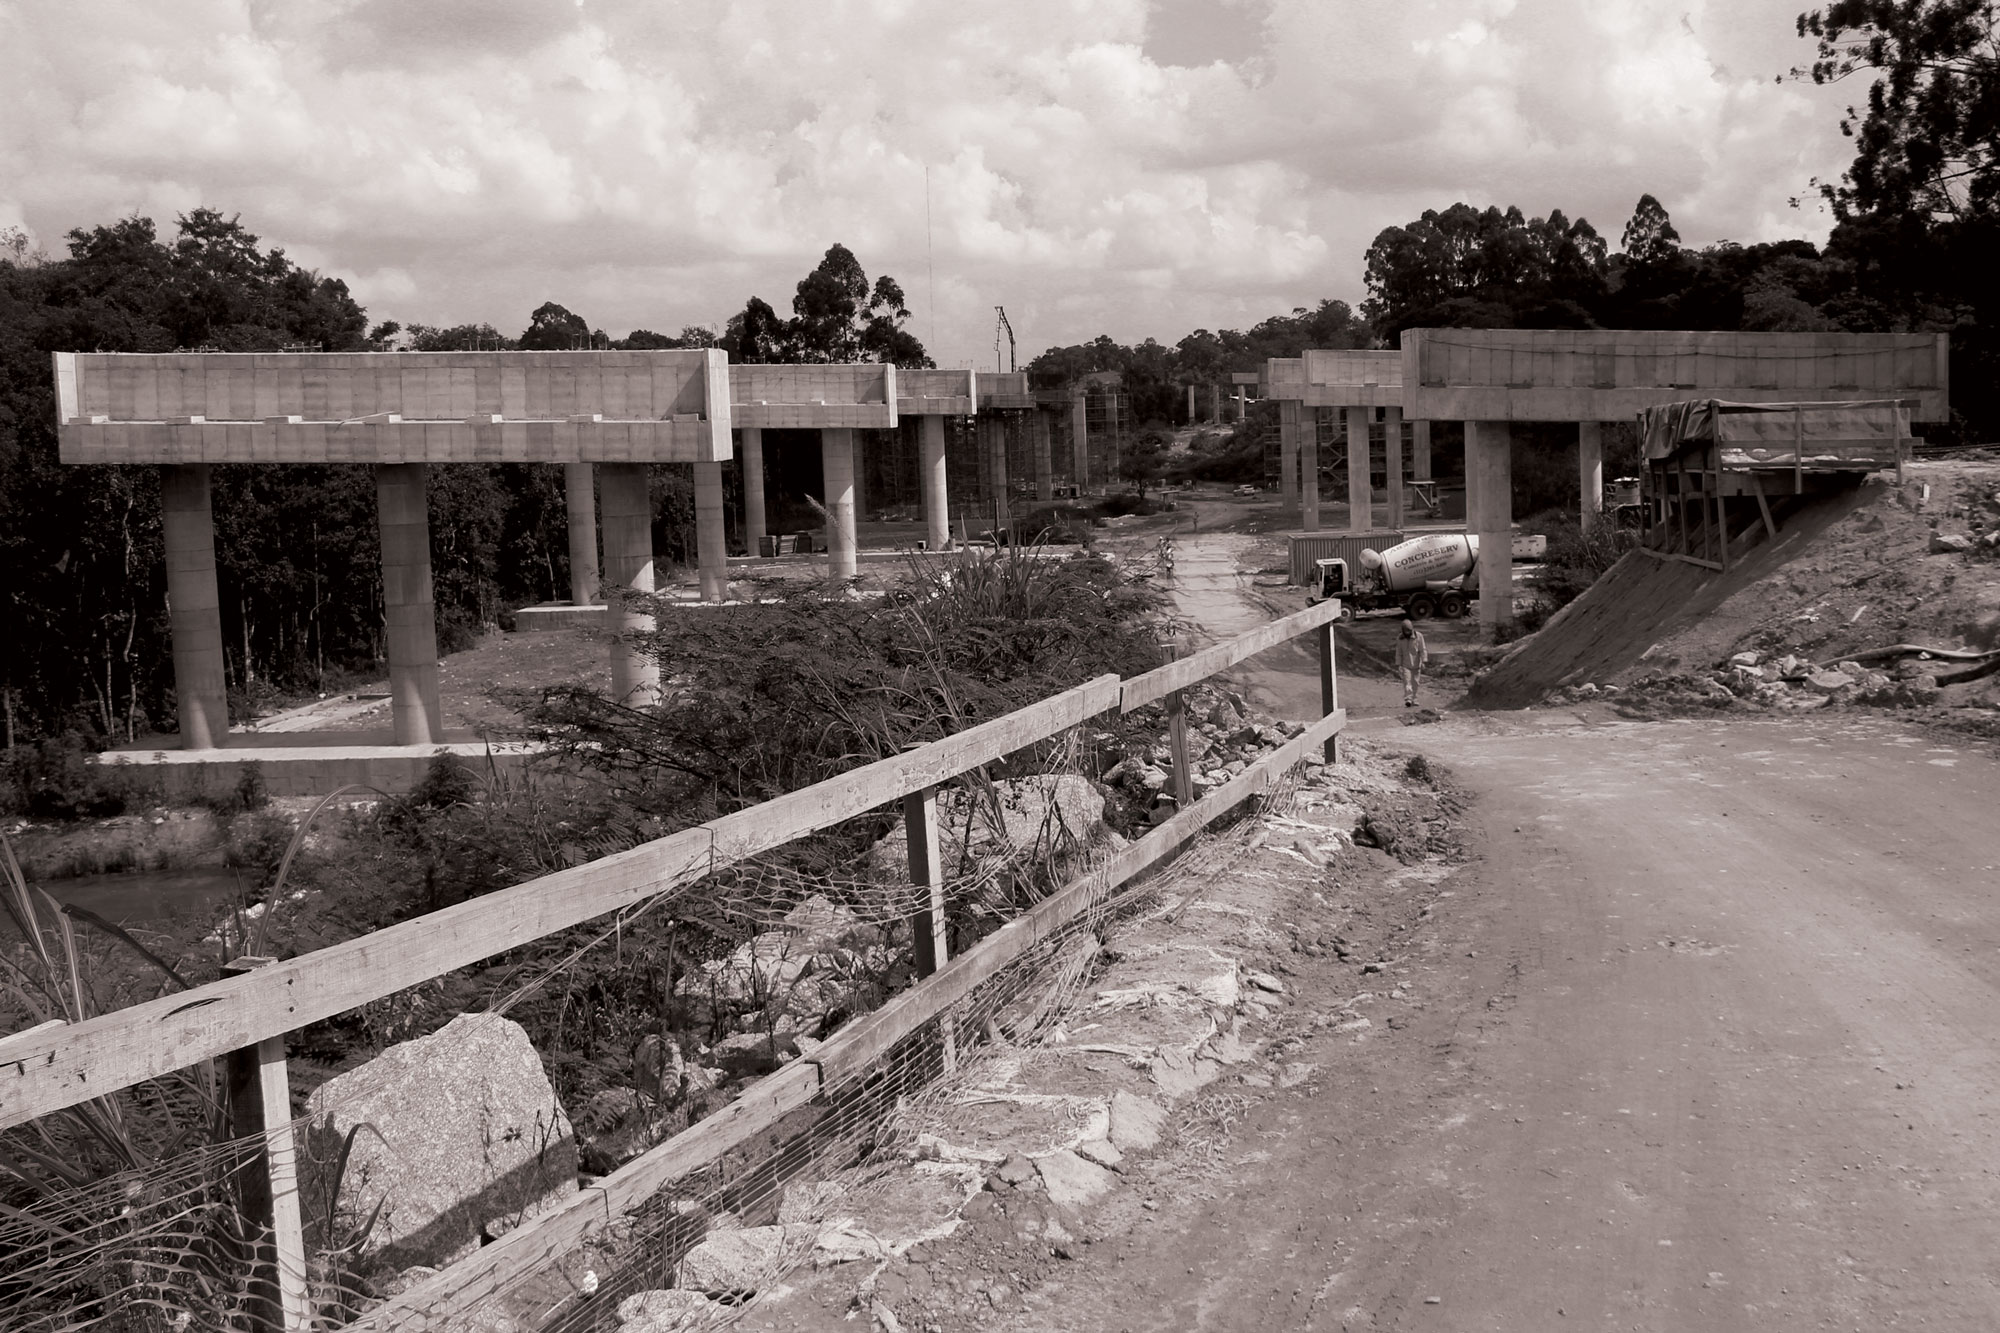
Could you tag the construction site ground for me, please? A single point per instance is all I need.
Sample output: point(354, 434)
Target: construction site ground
point(1698, 1034)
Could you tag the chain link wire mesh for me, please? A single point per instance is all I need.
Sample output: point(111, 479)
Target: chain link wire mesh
point(135, 1213)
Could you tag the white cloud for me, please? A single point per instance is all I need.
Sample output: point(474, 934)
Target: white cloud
point(653, 164)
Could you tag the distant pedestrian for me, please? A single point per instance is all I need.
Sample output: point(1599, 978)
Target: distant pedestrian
point(1411, 655)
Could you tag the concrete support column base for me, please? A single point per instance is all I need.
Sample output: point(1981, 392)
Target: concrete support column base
point(628, 566)
point(1590, 474)
point(1290, 411)
point(1309, 475)
point(1360, 496)
point(1489, 449)
point(754, 525)
point(711, 532)
point(1392, 456)
point(836, 451)
point(932, 477)
point(201, 686)
point(580, 498)
point(402, 502)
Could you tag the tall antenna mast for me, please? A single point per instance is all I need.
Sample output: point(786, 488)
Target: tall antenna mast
point(930, 255)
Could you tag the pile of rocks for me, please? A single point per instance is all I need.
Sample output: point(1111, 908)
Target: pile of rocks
point(1785, 683)
point(1224, 738)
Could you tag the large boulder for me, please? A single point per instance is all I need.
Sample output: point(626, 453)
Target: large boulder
point(457, 1137)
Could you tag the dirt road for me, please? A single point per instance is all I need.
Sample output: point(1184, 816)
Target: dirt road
point(1705, 1040)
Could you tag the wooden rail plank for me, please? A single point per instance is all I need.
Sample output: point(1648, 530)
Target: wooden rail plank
point(825, 804)
point(437, 1301)
point(60, 1067)
point(1142, 690)
point(450, 1294)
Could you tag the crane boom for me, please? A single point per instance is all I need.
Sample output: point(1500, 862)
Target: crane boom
point(1002, 327)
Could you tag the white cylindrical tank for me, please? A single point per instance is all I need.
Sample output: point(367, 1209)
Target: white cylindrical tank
point(1433, 558)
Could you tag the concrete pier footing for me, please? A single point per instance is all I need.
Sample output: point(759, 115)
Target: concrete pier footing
point(410, 620)
point(1489, 449)
point(580, 498)
point(1360, 498)
point(933, 476)
point(836, 451)
point(754, 524)
point(188, 528)
point(711, 532)
point(628, 564)
point(1589, 473)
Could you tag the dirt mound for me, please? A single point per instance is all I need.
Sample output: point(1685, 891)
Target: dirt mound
point(1859, 570)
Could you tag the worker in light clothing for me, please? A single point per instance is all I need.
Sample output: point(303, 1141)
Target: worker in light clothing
point(1411, 655)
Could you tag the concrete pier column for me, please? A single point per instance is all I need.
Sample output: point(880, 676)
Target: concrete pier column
point(836, 454)
point(1309, 475)
point(1590, 473)
point(1489, 447)
point(403, 507)
point(580, 499)
point(1190, 389)
point(1215, 403)
point(1360, 497)
point(711, 532)
point(754, 529)
point(1045, 461)
point(1392, 456)
point(932, 477)
point(201, 686)
point(628, 564)
point(995, 442)
point(1289, 410)
point(1420, 450)
point(1079, 441)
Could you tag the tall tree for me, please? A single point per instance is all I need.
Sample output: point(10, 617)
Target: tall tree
point(554, 329)
point(1484, 269)
point(836, 317)
point(1929, 141)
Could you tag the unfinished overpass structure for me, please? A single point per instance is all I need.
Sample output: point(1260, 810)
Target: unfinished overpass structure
point(1491, 379)
point(605, 417)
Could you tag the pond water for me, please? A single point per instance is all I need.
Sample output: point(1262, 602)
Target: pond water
point(146, 898)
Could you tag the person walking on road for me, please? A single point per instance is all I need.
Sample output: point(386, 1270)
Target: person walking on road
point(1411, 656)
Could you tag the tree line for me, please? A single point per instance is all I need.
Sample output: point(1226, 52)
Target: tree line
point(83, 616)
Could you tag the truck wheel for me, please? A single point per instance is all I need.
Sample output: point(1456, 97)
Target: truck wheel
point(1346, 612)
point(1451, 606)
point(1420, 607)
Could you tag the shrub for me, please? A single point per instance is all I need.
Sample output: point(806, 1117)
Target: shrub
point(56, 779)
point(769, 698)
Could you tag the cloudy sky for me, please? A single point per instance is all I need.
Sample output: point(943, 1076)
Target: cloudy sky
point(1132, 167)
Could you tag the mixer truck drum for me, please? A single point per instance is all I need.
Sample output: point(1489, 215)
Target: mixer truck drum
point(1371, 558)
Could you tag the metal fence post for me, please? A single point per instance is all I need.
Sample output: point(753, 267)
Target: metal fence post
point(1329, 698)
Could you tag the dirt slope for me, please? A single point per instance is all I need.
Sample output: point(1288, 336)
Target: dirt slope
point(1852, 572)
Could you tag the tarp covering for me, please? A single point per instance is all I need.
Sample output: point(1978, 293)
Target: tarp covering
point(1752, 435)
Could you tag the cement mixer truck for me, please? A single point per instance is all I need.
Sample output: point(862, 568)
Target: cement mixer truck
point(1432, 575)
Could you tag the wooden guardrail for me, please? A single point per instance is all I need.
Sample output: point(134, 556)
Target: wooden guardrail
point(49, 1068)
